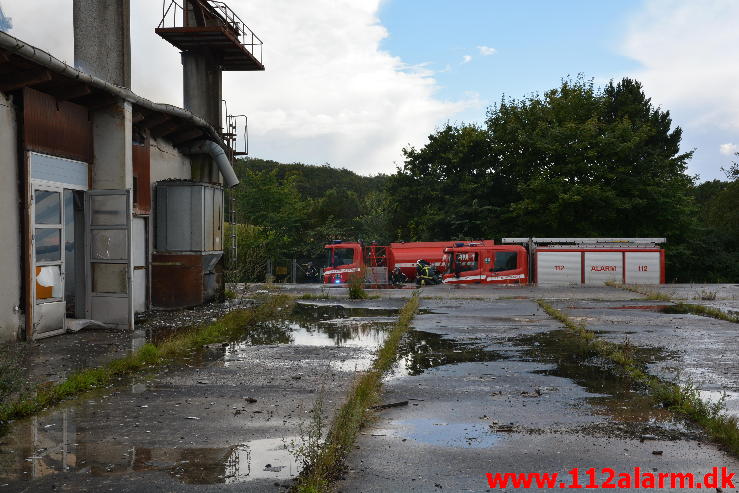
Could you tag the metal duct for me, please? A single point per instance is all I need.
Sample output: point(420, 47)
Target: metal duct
point(219, 156)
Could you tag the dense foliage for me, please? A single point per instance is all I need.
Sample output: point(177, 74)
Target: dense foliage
point(576, 161)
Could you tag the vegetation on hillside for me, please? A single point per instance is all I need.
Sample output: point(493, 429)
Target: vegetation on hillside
point(578, 160)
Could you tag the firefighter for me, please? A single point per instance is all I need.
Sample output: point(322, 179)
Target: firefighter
point(424, 273)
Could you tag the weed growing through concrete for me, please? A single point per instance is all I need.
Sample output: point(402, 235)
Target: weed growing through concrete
point(311, 435)
point(230, 327)
point(707, 295)
point(681, 399)
point(323, 295)
point(691, 308)
point(705, 311)
point(365, 392)
point(356, 290)
point(649, 294)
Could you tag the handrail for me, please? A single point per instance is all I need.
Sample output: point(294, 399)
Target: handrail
point(174, 14)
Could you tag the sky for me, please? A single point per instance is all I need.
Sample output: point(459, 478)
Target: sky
point(352, 82)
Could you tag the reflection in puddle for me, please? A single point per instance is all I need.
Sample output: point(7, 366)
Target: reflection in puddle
point(420, 351)
point(321, 325)
point(458, 435)
point(39, 447)
point(616, 396)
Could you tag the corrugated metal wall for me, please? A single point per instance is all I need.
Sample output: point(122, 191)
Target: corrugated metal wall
point(58, 128)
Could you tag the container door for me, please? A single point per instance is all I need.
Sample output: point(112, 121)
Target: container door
point(558, 268)
point(109, 271)
point(601, 267)
point(643, 267)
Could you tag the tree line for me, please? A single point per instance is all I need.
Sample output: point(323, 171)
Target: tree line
point(578, 160)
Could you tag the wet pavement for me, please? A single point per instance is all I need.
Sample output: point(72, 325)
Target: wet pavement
point(486, 380)
point(225, 420)
point(496, 385)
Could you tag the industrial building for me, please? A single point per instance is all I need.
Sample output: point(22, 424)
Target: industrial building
point(113, 204)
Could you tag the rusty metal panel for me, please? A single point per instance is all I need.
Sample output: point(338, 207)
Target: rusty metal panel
point(142, 178)
point(176, 280)
point(58, 128)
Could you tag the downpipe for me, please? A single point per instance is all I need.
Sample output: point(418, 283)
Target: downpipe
point(218, 155)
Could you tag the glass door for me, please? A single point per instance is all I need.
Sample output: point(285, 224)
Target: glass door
point(48, 261)
point(109, 276)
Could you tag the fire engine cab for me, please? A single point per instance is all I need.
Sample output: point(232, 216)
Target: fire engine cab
point(483, 262)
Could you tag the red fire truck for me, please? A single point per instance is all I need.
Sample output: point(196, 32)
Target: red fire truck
point(555, 261)
point(344, 259)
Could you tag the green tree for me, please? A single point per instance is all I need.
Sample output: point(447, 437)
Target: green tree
point(576, 161)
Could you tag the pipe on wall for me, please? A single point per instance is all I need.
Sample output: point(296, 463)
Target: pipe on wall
point(218, 155)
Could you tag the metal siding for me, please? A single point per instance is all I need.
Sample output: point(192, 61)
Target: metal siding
point(208, 212)
point(142, 171)
point(601, 267)
point(637, 262)
point(569, 263)
point(177, 220)
point(176, 280)
point(58, 170)
point(56, 127)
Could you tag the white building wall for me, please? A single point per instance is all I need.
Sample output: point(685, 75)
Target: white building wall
point(10, 225)
point(167, 162)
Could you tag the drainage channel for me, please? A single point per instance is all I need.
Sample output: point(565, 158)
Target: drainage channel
point(128, 430)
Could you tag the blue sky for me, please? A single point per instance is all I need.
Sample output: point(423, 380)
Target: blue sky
point(536, 43)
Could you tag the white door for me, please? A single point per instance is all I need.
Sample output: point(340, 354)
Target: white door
point(109, 270)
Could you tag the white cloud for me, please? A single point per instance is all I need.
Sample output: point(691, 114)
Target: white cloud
point(728, 149)
point(486, 50)
point(329, 94)
point(466, 59)
point(686, 50)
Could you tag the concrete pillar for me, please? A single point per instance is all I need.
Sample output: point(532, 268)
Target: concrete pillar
point(201, 82)
point(102, 39)
point(113, 161)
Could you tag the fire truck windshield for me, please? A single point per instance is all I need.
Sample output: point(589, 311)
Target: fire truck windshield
point(339, 256)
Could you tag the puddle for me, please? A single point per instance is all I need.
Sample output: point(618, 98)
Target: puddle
point(321, 325)
point(616, 397)
point(48, 445)
point(420, 350)
point(430, 432)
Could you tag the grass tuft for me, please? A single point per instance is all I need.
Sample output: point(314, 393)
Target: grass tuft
point(356, 289)
point(706, 311)
point(228, 328)
point(328, 458)
point(683, 400)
